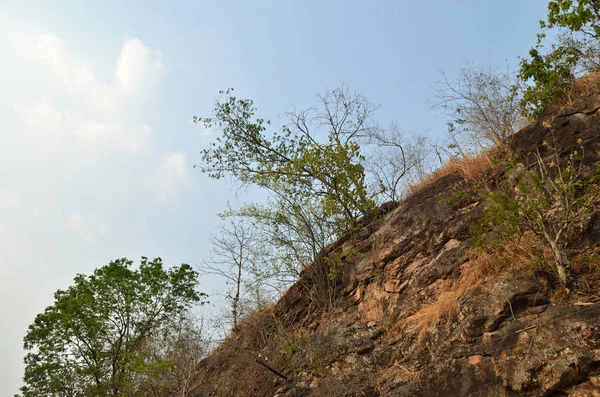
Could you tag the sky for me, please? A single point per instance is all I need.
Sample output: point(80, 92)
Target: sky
point(97, 97)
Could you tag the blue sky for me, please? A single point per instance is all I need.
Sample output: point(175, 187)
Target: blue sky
point(96, 99)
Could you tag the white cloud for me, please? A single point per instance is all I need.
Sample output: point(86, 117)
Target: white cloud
point(9, 200)
point(137, 72)
point(88, 229)
point(72, 118)
point(72, 73)
point(100, 112)
point(132, 136)
point(136, 67)
point(41, 114)
point(174, 176)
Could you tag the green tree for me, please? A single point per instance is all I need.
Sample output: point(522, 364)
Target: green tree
point(552, 71)
point(92, 340)
point(316, 156)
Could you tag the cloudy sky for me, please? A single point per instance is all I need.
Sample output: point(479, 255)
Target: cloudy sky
point(96, 100)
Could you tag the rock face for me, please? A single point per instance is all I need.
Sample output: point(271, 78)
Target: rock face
point(511, 334)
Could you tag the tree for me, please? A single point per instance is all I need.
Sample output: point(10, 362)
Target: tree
point(548, 200)
point(91, 340)
point(235, 253)
point(316, 156)
point(482, 103)
point(296, 230)
point(395, 160)
point(576, 51)
point(179, 352)
point(316, 178)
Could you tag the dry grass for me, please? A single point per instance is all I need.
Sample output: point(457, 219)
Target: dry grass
point(526, 252)
point(587, 262)
point(522, 253)
point(261, 333)
point(372, 307)
point(395, 374)
point(435, 176)
point(473, 168)
point(582, 88)
point(446, 306)
point(373, 310)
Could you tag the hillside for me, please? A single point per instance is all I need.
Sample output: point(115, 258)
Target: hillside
point(419, 310)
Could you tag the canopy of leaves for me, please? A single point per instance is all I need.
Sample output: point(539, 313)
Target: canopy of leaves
point(323, 165)
point(91, 340)
point(576, 51)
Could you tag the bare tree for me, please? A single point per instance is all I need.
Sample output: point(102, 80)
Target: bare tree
point(395, 160)
point(293, 230)
point(483, 103)
point(177, 354)
point(233, 254)
point(187, 351)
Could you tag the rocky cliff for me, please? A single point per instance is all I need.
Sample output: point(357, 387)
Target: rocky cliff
point(420, 311)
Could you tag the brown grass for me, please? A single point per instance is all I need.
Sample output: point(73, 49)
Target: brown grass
point(582, 88)
point(433, 177)
point(520, 253)
point(372, 308)
point(587, 262)
point(234, 358)
point(395, 374)
point(472, 168)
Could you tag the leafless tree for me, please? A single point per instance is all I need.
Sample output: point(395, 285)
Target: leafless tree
point(233, 253)
point(342, 114)
point(293, 230)
point(179, 351)
point(482, 103)
point(395, 159)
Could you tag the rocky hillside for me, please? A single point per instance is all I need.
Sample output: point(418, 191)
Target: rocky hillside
point(420, 309)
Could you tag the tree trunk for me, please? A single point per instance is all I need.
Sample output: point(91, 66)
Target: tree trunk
point(236, 298)
point(562, 264)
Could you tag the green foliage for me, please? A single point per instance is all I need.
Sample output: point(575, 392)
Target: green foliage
point(335, 261)
point(547, 200)
point(459, 194)
point(314, 173)
point(290, 346)
point(296, 161)
point(577, 50)
point(92, 340)
point(552, 76)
